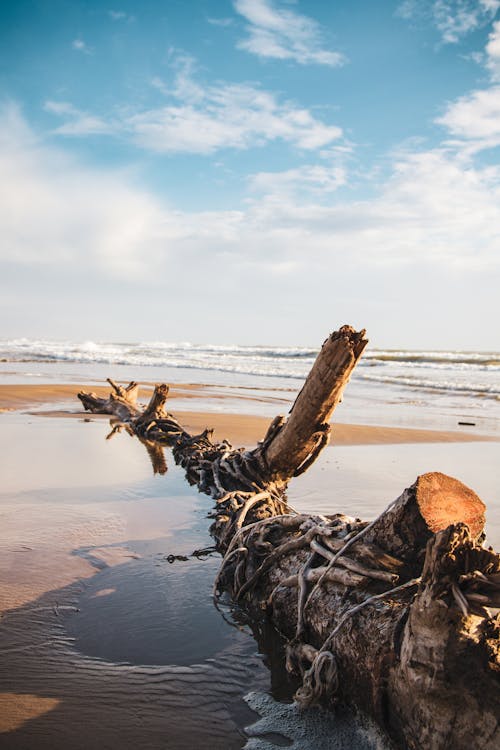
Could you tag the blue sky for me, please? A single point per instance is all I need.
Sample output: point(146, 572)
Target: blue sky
point(251, 171)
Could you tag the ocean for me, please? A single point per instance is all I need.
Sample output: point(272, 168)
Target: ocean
point(440, 388)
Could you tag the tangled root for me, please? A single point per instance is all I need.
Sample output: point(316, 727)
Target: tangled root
point(321, 680)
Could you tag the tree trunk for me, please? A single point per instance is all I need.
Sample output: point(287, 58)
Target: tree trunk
point(397, 616)
point(443, 687)
point(298, 441)
point(371, 629)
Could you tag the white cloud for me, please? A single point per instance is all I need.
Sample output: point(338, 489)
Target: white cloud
point(490, 6)
point(186, 88)
point(120, 15)
point(457, 18)
point(78, 122)
point(222, 22)
point(454, 19)
point(474, 119)
point(81, 46)
point(54, 211)
point(283, 34)
point(493, 52)
point(475, 57)
point(434, 212)
point(229, 116)
point(431, 229)
point(203, 119)
point(318, 180)
point(440, 209)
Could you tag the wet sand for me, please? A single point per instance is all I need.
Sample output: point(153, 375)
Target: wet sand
point(26, 576)
point(103, 642)
point(86, 529)
point(238, 428)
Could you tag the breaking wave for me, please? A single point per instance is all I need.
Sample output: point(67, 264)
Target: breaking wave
point(474, 373)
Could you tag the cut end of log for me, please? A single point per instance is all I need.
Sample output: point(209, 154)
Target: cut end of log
point(434, 502)
point(444, 501)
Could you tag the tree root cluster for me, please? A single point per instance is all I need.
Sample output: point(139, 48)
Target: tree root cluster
point(399, 616)
point(315, 550)
point(317, 579)
point(240, 480)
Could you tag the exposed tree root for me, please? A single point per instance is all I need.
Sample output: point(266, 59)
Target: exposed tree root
point(398, 616)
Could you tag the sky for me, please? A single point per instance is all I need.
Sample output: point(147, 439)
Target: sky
point(251, 171)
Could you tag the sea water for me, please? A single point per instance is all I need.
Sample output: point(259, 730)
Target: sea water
point(409, 388)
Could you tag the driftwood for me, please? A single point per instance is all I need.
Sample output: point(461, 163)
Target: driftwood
point(398, 617)
point(121, 402)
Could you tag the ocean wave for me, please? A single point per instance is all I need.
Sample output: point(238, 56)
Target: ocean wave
point(259, 361)
point(488, 359)
point(66, 350)
point(474, 373)
point(490, 390)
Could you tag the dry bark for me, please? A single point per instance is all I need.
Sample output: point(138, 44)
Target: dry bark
point(298, 441)
point(121, 402)
point(397, 616)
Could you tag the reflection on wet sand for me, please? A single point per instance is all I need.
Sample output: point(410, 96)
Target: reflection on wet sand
point(132, 653)
point(110, 643)
point(155, 451)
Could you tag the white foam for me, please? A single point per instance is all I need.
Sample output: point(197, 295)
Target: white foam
point(475, 374)
point(308, 729)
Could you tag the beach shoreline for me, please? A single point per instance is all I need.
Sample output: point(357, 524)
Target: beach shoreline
point(241, 428)
point(78, 509)
point(31, 406)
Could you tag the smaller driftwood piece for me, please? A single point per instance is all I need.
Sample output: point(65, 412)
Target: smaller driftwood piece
point(398, 617)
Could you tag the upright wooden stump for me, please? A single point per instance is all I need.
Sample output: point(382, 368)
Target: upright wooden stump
point(306, 431)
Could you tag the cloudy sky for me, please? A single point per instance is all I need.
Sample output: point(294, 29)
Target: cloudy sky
point(251, 171)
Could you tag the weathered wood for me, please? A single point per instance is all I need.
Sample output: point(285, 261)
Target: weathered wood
point(156, 408)
point(359, 625)
point(121, 402)
point(306, 430)
point(129, 393)
point(430, 505)
point(444, 689)
point(394, 616)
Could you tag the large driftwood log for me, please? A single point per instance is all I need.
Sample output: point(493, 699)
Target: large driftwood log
point(398, 617)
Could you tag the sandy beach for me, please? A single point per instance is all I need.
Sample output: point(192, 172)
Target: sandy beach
point(238, 428)
point(288, 212)
point(86, 529)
